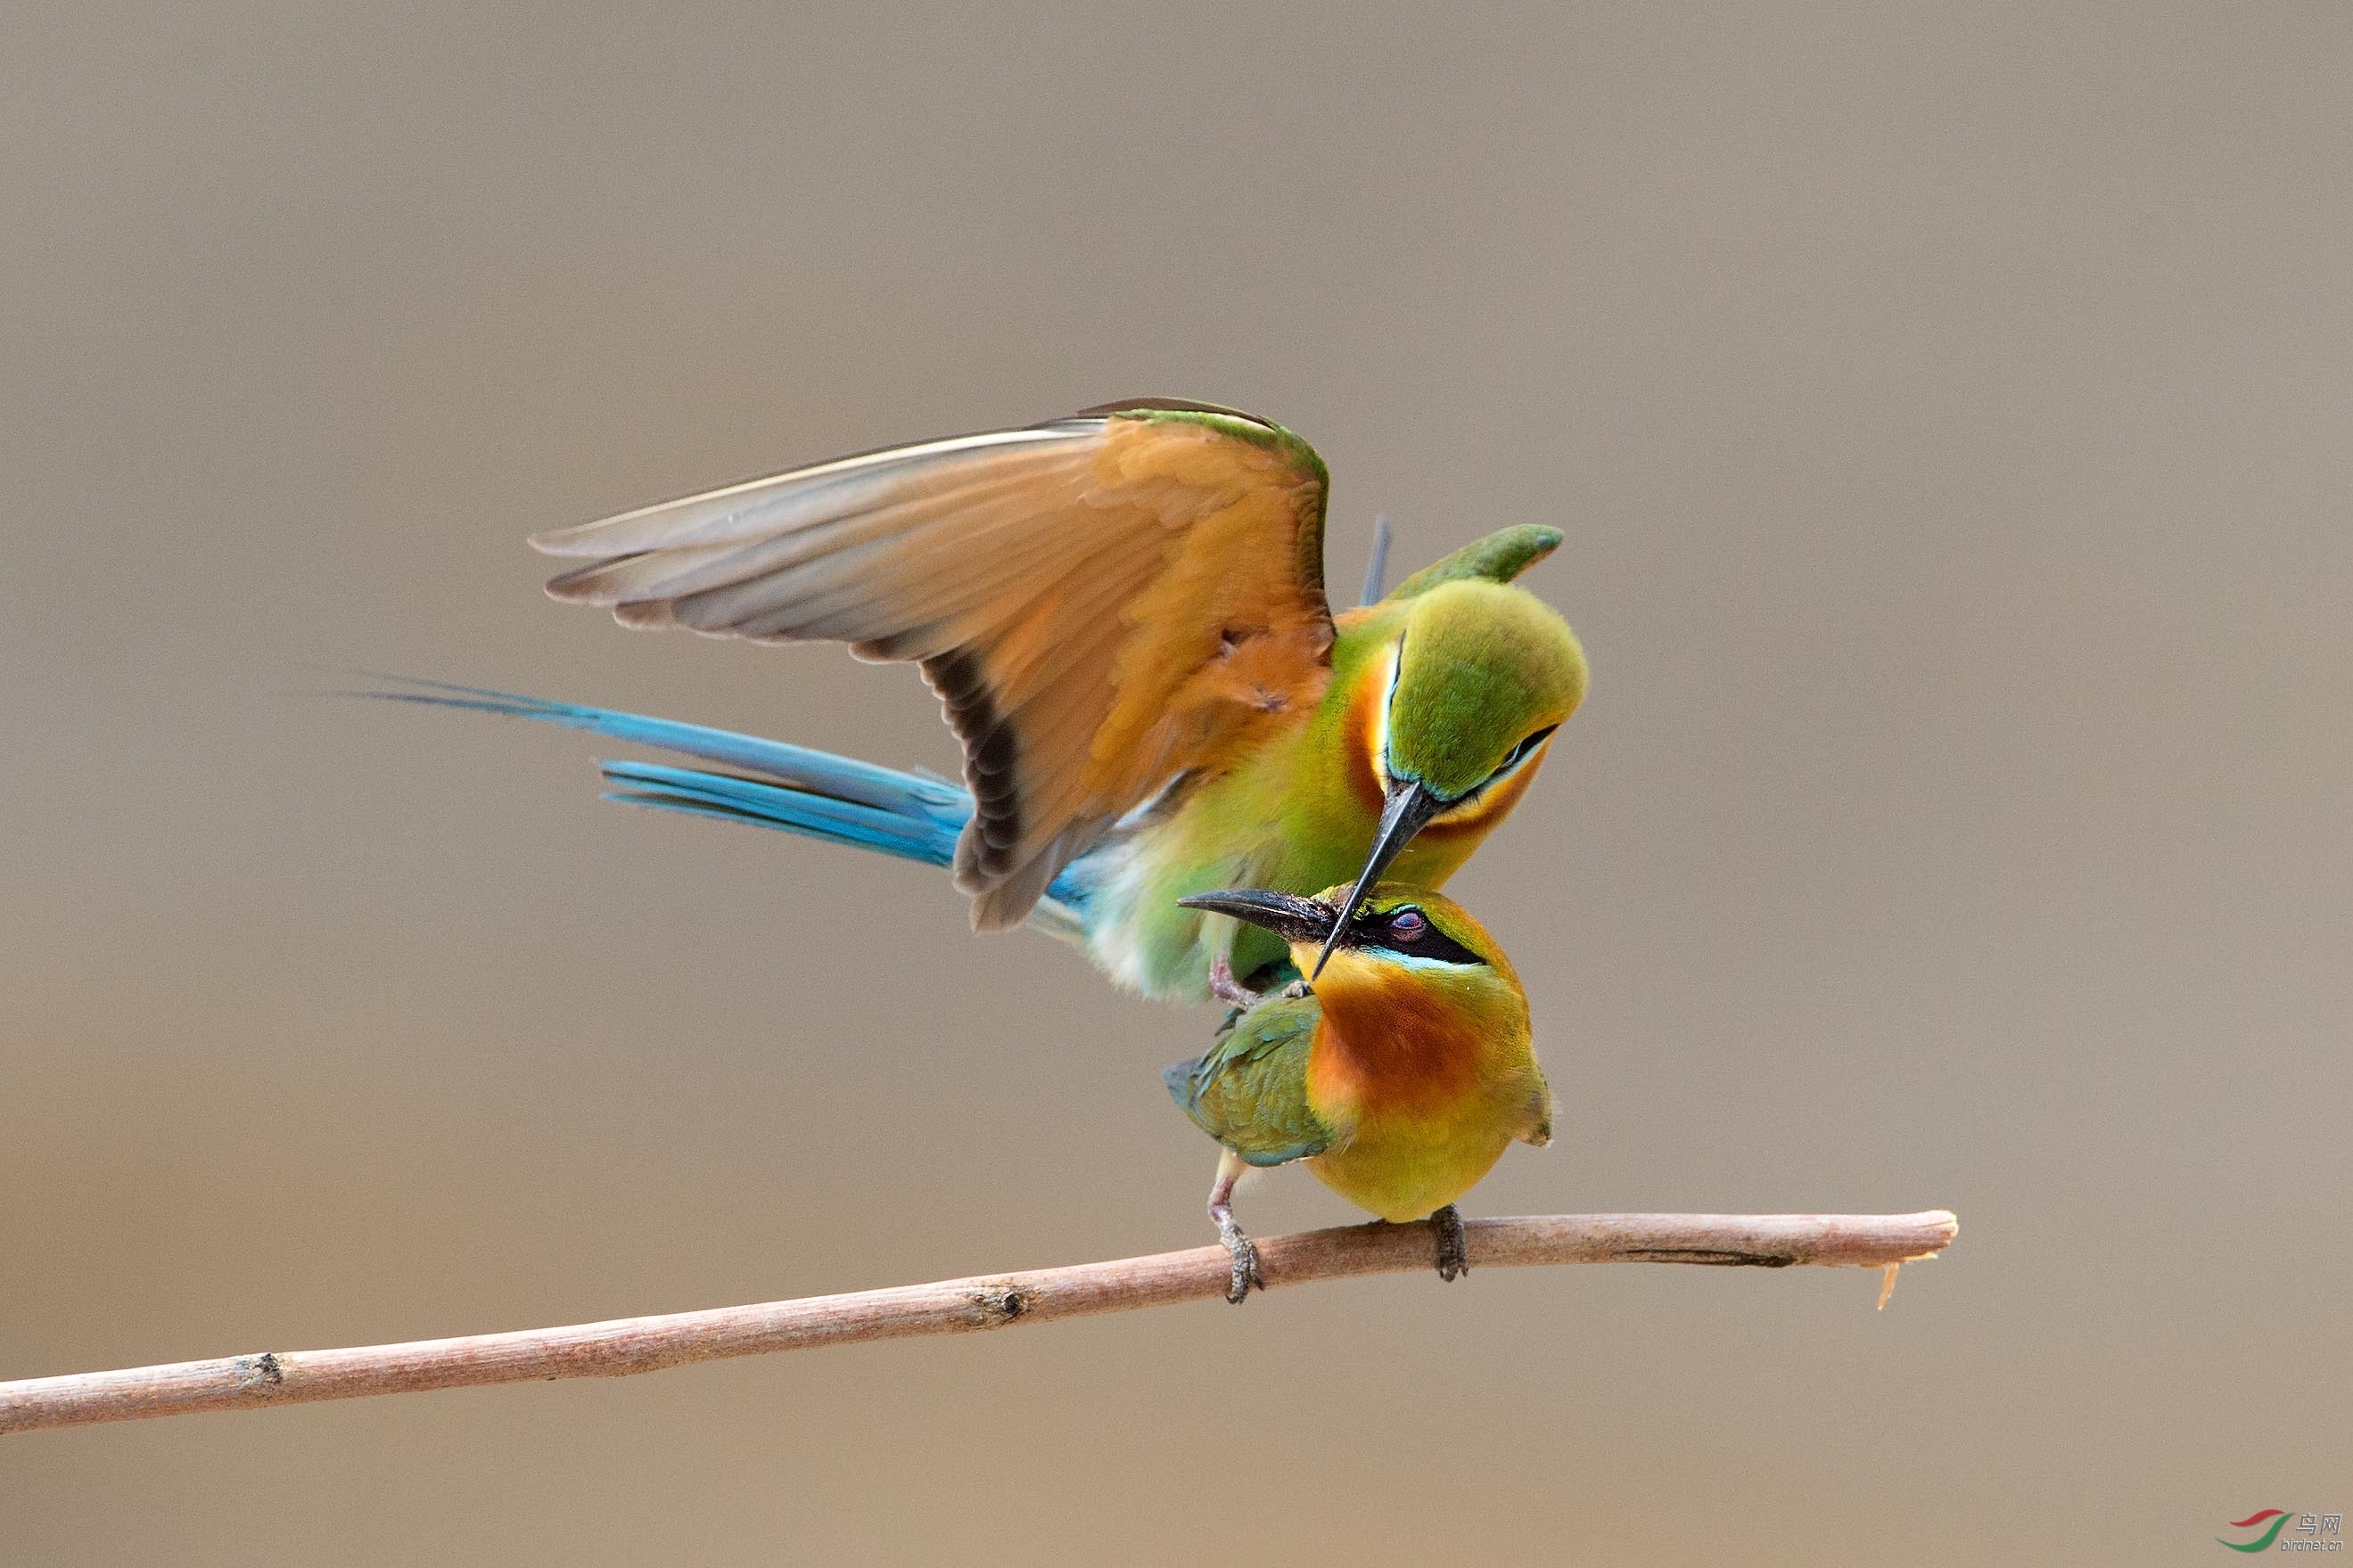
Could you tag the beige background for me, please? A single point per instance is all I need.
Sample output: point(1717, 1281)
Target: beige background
point(1947, 407)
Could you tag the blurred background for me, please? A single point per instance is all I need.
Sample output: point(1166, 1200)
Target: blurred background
point(1948, 409)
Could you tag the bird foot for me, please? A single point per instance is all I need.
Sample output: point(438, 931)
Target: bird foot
point(1246, 1271)
point(1226, 988)
point(1453, 1251)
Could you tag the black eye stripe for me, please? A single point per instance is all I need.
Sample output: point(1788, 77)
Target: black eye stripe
point(1520, 752)
point(1375, 930)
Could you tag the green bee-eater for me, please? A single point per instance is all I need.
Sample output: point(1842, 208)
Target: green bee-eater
point(1399, 1078)
point(1122, 613)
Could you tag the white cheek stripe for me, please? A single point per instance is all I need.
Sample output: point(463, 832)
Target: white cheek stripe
point(1381, 717)
point(1416, 961)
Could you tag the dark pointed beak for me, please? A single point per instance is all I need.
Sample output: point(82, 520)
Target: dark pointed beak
point(1288, 916)
point(1410, 806)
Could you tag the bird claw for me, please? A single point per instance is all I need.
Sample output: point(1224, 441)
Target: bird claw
point(1453, 1251)
point(1240, 997)
point(1246, 1269)
point(1226, 988)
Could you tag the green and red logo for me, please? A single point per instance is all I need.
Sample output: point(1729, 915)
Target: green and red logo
point(2278, 1517)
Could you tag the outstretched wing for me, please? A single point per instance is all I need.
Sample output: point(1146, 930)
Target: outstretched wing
point(1103, 603)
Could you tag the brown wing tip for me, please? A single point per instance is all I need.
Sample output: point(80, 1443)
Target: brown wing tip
point(581, 585)
point(645, 614)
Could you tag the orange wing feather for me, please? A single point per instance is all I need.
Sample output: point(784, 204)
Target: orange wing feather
point(1101, 603)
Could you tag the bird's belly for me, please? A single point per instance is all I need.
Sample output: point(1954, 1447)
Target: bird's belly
point(1137, 934)
point(1408, 1170)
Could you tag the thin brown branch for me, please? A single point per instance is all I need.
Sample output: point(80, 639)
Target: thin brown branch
point(628, 1346)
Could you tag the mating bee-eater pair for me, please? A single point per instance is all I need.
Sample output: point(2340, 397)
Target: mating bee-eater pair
point(1399, 1077)
point(1170, 742)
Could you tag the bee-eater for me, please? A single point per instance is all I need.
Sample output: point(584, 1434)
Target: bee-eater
point(1122, 613)
point(1399, 1077)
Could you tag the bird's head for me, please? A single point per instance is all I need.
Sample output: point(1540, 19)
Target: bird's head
point(1396, 937)
point(1472, 685)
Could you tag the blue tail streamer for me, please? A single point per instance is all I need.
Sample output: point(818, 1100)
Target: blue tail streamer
point(836, 799)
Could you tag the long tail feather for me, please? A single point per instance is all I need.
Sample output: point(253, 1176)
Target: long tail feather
point(817, 793)
point(702, 793)
point(845, 778)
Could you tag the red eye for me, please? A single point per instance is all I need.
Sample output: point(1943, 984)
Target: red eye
point(1406, 925)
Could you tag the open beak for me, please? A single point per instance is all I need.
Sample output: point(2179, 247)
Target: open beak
point(1410, 806)
point(1288, 916)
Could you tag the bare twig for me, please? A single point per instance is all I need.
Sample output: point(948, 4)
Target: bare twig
point(628, 1346)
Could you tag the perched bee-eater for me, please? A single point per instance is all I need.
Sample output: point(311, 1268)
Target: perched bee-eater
point(1122, 613)
point(1399, 1077)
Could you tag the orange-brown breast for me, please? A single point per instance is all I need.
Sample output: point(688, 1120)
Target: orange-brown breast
point(1392, 1046)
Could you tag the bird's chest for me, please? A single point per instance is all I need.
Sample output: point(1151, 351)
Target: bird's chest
point(1427, 1112)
